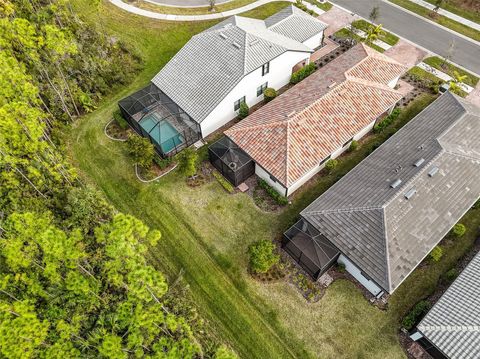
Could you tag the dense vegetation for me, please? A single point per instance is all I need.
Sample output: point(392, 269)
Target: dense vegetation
point(74, 281)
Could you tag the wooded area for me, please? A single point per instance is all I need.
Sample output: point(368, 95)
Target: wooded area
point(74, 281)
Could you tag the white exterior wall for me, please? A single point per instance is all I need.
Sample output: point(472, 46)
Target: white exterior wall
point(279, 76)
point(351, 268)
point(314, 42)
point(394, 82)
point(260, 172)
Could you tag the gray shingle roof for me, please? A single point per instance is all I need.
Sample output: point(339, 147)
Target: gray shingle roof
point(295, 23)
point(212, 63)
point(453, 324)
point(373, 224)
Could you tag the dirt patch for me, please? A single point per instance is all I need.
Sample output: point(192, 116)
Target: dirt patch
point(203, 176)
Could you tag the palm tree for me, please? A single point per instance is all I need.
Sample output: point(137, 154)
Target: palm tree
point(373, 33)
point(455, 86)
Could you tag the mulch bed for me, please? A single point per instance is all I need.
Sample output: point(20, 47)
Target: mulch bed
point(203, 176)
point(115, 131)
point(261, 197)
point(154, 171)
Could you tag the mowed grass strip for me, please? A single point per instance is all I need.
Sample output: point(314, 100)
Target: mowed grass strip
point(456, 7)
point(439, 19)
point(234, 4)
point(386, 36)
point(445, 66)
point(235, 314)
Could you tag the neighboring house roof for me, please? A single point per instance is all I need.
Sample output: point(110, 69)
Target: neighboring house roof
point(453, 324)
point(385, 234)
point(295, 24)
point(213, 62)
point(292, 134)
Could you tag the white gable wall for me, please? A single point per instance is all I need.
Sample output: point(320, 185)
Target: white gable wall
point(314, 41)
point(351, 268)
point(279, 76)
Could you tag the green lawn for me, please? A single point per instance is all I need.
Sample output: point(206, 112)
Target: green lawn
point(439, 19)
point(424, 75)
point(325, 6)
point(206, 231)
point(454, 7)
point(448, 68)
point(346, 34)
point(385, 37)
point(189, 11)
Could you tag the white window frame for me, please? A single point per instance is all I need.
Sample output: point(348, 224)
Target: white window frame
point(238, 103)
point(261, 89)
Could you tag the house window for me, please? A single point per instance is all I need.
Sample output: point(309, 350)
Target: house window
point(262, 88)
point(236, 105)
point(265, 68)
point(348, 142)
point(365, 275)
point(325, 160)
point(274, 180)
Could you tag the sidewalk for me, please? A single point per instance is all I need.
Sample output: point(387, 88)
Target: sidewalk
point(448, 14)
point(170, 17)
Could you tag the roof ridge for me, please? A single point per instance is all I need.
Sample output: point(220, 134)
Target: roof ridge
point(345, 210)
point(373, 84)
point(279, 22)
point(387, 252)
point(452, 328)
point(287, 154)
point(241, 129)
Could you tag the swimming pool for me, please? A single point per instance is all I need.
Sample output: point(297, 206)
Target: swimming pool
point(164, 134)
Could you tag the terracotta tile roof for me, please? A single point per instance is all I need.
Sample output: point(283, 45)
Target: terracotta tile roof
point(291, 135)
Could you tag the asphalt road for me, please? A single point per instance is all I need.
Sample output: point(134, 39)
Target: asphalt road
point(419, 31)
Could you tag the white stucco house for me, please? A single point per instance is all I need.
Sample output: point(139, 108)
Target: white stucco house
point(291, 138)
point(234, 61)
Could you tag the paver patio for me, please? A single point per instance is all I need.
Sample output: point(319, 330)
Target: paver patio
point(337, 19)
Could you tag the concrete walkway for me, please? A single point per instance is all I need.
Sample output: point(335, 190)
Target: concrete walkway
point(443, 76)
point(449, 14)
point(170, 17)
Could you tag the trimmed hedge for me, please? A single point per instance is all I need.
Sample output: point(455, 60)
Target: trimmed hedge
point(417, 312)
point(302, 73)
point(379, 127)
point(243, 111)
point(269, 94)
point(281, 200)
point(225, 184)
point(121, 122)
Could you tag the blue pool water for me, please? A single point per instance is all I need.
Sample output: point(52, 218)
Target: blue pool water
point(164, 134)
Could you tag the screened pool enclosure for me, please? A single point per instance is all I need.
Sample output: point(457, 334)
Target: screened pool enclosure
point(156, 117)
point(309, 248)
point(231, 161)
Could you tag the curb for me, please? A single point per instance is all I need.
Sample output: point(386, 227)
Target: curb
point(110, 137)
point(156, 178)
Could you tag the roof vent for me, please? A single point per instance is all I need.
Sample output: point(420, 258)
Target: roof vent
point(332, 85)
point(396, 183)
point(253, 42)
point(291, 113)
point(237, 45)
point(410, 193)
point(223, 36)
point(419, 162)
point(433, 171)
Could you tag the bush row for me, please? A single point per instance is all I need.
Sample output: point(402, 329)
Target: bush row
point(225, 184)
point(281, 200)
point(417, 312)
point(302, 73)
point(379, 127)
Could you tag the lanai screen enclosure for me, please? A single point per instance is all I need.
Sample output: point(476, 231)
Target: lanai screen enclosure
point(309, 248)
point(231, 161)
point(153, 115)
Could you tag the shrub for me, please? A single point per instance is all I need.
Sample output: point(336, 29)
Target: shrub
point(262, 256)
point(417, 312)
point(188, 162)
point(302, 73)
point(269, 94)
point(379, 127)
point(121, 122)
point(141, 150)
point(451, 275)
point(163, 162)
point(225, 353)
point(436, 254)
point(330, 165)
point(459, 230)
point(281, 200)
point(243, 111)
point(353, 146)
point(225, 184)
point(341, 267)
